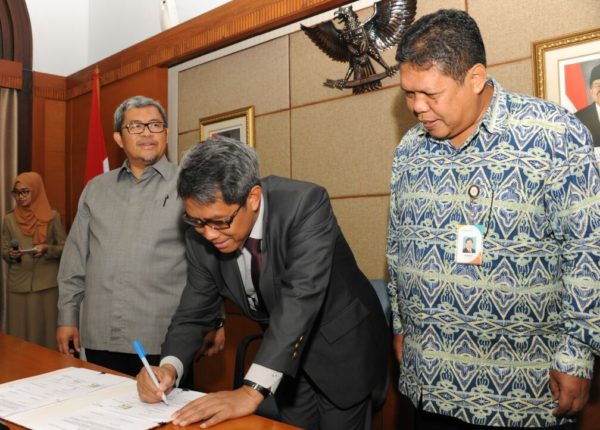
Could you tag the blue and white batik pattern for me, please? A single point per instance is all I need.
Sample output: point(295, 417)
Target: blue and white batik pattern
point(480, 340)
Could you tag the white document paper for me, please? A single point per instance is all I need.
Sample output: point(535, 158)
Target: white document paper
point(130, 404)
point(97, 402)
point(53, 387)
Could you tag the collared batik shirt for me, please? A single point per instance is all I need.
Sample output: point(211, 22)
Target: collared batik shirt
point(480, 340)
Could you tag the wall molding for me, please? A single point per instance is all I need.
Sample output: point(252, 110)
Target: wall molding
point(11, 74)
point(216, 29)
point(49, 86)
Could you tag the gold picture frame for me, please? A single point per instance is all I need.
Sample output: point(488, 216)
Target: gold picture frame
point(560, 66)
point(237, 124)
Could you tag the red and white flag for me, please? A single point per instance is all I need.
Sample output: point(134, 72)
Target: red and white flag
point(96, 160)
point(575, 92)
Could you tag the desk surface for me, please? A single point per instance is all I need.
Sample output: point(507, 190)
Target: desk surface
point(20, 359)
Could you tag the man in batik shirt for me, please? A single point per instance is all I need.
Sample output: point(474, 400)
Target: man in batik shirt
point(506, 338)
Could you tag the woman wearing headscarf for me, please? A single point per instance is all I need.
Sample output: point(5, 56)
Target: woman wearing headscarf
point(32, 242)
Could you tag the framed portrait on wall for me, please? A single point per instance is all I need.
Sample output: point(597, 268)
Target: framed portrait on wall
point(237, 124)
point(567, 71)
point(562, 68)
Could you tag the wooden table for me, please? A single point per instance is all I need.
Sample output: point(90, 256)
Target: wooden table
point(20, 359)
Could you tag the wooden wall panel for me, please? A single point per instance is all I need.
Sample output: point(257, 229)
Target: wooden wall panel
point(52, 165)
point(48, 136)
point(11, 74)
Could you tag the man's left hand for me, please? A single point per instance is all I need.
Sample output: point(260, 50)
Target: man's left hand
point(571, 393)
point(214, 342)
point(217, 407)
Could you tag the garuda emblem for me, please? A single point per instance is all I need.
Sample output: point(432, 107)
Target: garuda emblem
point(359, 44)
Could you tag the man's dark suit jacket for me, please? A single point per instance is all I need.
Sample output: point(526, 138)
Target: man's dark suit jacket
point(324, 315)
point(589, 117)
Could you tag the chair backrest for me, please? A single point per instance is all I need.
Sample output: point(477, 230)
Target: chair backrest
point(248, 346)
point(243, 358)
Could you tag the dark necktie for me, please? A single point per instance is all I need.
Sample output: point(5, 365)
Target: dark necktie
point(253, 246)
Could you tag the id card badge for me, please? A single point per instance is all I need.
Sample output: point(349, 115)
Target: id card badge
point(469, 244)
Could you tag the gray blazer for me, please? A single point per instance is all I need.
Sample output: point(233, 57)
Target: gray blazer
point(324, 316)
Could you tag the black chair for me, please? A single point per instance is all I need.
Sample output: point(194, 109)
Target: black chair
point(268, 407)
point(248, 345)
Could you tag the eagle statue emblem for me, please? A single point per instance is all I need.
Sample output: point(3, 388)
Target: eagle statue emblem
point(359, 44)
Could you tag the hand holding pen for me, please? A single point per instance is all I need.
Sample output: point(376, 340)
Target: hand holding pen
point(142, 354)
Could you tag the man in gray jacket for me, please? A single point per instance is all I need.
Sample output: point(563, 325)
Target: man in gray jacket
point(124, 258)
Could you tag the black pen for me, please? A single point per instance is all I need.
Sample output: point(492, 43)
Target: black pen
point(165, 201)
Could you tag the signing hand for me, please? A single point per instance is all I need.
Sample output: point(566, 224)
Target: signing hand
point(166, 375)
point(571, 392)
point(217, 407)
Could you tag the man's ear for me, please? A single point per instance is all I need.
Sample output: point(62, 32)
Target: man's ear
point(254, 197)
point(477, 77)
point(118, 138)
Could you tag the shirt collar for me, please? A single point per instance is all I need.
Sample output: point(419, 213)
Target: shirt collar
point(257, 229)
point(496, 117)
point(161, 167)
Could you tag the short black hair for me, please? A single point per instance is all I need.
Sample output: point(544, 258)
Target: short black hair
point(595, 74)
point(218, 168)
point(448, 39)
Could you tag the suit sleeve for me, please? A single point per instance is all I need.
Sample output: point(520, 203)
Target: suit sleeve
point(200, 304)
point(308, 243)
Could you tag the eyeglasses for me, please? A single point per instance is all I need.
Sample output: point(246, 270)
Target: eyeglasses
point(138, 127)
point(214, 224)
point(23, 192)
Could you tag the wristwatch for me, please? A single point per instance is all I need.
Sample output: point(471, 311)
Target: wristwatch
point(219, 322)
point(262, 390)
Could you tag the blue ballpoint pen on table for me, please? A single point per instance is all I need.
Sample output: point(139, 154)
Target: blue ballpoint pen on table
point(140, 351)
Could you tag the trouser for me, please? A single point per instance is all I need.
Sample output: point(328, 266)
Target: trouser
point(130, 364)
point(302, 404)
